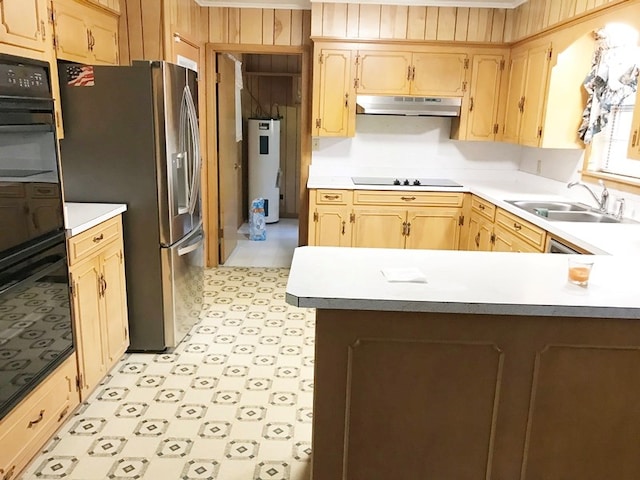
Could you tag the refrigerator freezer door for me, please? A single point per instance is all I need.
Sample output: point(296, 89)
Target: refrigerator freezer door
point(178, 145)
point(183, 280)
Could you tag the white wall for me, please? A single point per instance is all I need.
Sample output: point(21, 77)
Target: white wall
point(387, 142)
point(420, 146)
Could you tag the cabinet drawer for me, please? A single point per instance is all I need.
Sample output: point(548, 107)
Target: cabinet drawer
point(484, 208)
point(11, 190)
point(522, 229)
point(370, 197)
point(28, 426)
point(86, 243)
point(43, 190)
point(333, 197)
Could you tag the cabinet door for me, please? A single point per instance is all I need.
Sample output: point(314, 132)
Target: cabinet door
point(333, 94)
point(87, 324)
point(332, 227)
point(536, 76)
point(384, 73)
point(103, 37)
point(45, 215)
point(72, 34)
point(513, 113)
point(115, 319)
point(634, 137)
point(482, 116)
point(23, 24)
point(480, 232)
point(434, 228)
point(439, 74)
point(379, 228)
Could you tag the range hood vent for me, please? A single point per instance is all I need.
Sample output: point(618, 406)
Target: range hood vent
point(418, 106)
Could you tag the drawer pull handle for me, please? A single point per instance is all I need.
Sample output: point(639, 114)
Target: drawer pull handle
point(331, 197)
point(517, 226)
point(9, 473)
point(481, 207)
point(63, 413)
point(37, 420)
point(98, 238)
point(408, 199)
point(43, 190)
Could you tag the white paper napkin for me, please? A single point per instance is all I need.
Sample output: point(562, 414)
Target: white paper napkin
point(412, 275)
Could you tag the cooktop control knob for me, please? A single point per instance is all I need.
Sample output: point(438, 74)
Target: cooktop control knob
point(406, 182)
point(416, 182)
point(396, 182)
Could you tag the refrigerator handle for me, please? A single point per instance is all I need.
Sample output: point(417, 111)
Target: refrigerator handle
point(192, 246)
point(194, 187)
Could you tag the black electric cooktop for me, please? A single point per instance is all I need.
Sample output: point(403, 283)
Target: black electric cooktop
point(405, 182)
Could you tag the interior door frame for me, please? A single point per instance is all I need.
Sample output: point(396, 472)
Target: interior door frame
point(213, 210)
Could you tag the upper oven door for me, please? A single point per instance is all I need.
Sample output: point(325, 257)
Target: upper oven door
point(30, 195)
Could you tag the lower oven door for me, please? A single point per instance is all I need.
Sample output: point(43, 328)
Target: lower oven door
point(35, 318)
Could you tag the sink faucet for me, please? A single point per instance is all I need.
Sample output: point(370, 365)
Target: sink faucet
point(604, 196)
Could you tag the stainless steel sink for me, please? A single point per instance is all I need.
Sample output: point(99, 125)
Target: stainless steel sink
point(592, 217)
point(534, 205)
point(567, 211)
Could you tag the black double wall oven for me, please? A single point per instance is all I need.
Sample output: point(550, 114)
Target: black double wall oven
point(35, 314)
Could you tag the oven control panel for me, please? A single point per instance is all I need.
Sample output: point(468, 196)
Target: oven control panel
point(23, 80)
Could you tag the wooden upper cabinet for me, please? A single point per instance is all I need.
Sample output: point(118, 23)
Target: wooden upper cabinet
point(411, 73)
point(24, 24)
point(545, 99)
point(634, 136)
point(85, 34)
point(333, 93)
point(536, 75)
point(515, 94)
point(439, 74)
point(384, 73)
point(480, 115)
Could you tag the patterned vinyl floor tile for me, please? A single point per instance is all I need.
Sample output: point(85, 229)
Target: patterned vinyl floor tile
point(231, 402)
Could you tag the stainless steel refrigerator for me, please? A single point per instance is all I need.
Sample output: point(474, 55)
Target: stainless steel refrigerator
point(131, 136)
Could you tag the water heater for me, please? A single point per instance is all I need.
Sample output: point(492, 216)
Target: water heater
point(264, 165)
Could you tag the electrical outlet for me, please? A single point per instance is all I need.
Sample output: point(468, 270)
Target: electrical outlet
point(315, 144)
point(539, 167)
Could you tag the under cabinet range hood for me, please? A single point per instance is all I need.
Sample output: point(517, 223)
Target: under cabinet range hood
point(416, 106)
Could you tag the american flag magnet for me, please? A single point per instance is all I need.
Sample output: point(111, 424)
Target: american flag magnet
point(80, 76)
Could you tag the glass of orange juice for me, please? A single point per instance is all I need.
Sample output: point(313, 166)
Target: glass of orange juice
point(580, 269)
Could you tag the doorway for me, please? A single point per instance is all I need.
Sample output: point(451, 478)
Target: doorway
point(272, 87)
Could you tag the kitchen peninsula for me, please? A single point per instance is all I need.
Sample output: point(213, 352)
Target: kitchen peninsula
point(495, 367)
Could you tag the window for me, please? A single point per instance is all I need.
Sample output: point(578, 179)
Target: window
point(618, 57)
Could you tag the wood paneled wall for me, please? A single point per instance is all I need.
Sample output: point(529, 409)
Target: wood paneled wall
point(147, 27)
point(259, 26)
point(535, 16)
point(271, 87)
point(450, 24)
point(393, 22)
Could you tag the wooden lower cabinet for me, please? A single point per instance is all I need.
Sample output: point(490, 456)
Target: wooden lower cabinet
point(379, 219)
point(29, 426)
point(465, 397)
point(379, 227)
point(99, 301)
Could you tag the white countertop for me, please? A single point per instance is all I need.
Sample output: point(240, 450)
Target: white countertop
point(462, 282)
point(499, 186)
point(79, 217)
